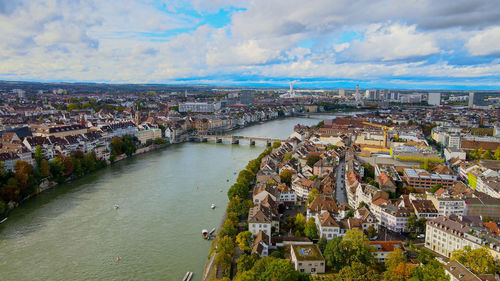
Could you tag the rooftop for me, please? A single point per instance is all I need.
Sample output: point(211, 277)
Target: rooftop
point(307, 252)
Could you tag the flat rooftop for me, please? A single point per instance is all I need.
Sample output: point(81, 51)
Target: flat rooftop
point(307, 253)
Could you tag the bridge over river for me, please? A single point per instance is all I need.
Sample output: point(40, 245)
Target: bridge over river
point(234, 139)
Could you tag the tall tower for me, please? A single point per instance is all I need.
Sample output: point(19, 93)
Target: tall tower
point(357, 97)
point(471, 99)
point(291, 89)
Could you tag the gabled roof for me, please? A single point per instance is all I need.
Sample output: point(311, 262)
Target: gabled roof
point(326, 220)
point(323, 203)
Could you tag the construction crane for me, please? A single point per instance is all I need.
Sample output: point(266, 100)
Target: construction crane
point(385, 128)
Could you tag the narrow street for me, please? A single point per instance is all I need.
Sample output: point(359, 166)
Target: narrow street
point(340, 190)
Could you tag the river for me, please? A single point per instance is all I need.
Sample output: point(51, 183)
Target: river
point(73, 232)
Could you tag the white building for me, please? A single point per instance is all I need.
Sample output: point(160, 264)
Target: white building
point(444, 235)
point(199, 107)
point(434, 99)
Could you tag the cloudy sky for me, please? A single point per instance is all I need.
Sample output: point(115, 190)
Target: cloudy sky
point(452, 44)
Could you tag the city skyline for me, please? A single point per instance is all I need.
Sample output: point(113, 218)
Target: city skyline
point(390, 44)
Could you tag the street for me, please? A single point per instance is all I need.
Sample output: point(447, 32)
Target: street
point(340, 190)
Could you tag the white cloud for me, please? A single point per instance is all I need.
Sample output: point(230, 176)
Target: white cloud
point(393, 42)
point(486, 42)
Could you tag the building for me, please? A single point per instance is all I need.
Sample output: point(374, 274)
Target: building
point(61, 131)
point(483, 206)
point(199, 107)
point(458, 272)
point(444, 235)
point(342, 93)
point(307, 258)
point(434, 99)
point(420, 178)
point(384, 248)
point(452, 152)
point(148, 135)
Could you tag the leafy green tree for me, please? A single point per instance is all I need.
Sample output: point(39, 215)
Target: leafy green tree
point(411, 223)
point(238, 206)
point(334, 254)
point(435, 188)
point(38, 155)
point(300, 222)
point(276, 144)
point(497, 153)
point(313, 194)
point(322, 244)
point(357, 248)
point(116, 146)
point(44, 168)
point(311, 230)
point(11, 190)
point(244, 240)
point(245, 262)
point(429, 272)
point(287, 156)
point(286, 176)
point(312, 158)
point(371, 232)
point(358, 272)
point(260, 266)
point(229, 228)
point(478, 260)
point(238, 189)
point(394, 259)
point(280, 270)
point(245, 276)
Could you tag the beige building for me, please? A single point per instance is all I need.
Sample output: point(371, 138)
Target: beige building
point(307, 258)
point(60, 131)
point(151, 134)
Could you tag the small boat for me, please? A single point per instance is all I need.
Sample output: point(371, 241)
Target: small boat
point(188, 276)
point(213, 206)
point(117, 207)
point(260, 123)
point(227, 180)
point(2, 221)
point(212, 231)
point(204, 232)
point(221, 190)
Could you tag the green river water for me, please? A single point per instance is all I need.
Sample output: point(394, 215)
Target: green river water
point(73, 232)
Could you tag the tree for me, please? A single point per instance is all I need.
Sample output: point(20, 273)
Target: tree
point(497, 153)
point(322, 244)
point(238, 206)
point(11, 190)
point(2, 207)
point(478, 260)
point(311, 230)
point(435, 188)
point(286, 176)
point(276, 144)
point(238, 189)
point(401, 272)
point(394, 259)
point(280, 270)
point(334, 254)
point(371, 232)
point(260, 266)
point(38, 155)
point(287, 156)
point(300, 221)
point(244, 240)
point(487, 155)
point(44, 168)
point(245, 262)
point(116, 146)
point(245, 276)
point(356, 247)
point(228, 228)
point(429, 272)
point(411, 222)
point(358, 272)
point(313, 194)
point(312, 158)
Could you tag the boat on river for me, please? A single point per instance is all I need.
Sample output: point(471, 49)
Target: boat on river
point(205, 234)
point(213, 206)
point(188, 276)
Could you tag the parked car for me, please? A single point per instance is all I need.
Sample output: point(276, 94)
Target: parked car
point(421, 236)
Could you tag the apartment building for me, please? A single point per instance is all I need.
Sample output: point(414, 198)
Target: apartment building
point(420, 178)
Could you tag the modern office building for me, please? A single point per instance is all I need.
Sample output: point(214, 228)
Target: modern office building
point(434, 99)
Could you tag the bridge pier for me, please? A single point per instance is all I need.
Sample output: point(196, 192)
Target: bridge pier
point(252, 142)
point(218, 140)
point(204, 139)
point(235, 141)
point(268, 143)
